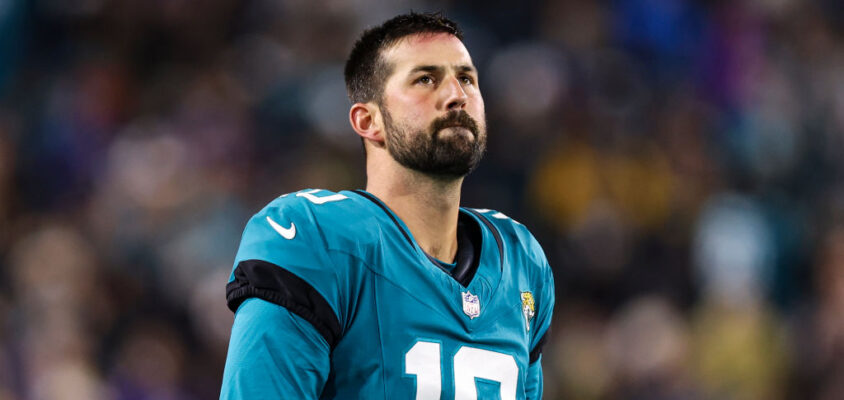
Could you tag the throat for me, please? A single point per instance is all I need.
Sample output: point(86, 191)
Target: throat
point(429, 211)
point(445, 254)
point(467, 256)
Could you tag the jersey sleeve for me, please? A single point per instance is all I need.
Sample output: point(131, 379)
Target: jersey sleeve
point(533, 387)
point(274, 353)
point(287, 293)
point(544, 309)
point(544, 280)
point(284, 259)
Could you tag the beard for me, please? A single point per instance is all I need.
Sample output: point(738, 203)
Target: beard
point(431, 152)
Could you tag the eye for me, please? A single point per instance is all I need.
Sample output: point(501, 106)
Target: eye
point(467, 80)
point(425, 80)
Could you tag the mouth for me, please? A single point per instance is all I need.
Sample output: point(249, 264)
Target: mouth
point(457, 129)
point(454, 123)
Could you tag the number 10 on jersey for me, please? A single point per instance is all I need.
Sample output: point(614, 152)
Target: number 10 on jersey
point(423, 361)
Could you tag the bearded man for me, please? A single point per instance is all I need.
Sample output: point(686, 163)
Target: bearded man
point(393, 292)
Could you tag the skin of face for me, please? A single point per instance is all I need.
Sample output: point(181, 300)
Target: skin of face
point(432, 75)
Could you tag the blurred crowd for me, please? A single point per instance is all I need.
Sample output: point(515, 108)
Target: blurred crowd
point(680, 161)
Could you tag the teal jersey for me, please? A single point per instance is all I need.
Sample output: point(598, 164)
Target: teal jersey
point(334, 299)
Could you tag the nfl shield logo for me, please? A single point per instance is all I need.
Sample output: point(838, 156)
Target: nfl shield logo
point(471, 305)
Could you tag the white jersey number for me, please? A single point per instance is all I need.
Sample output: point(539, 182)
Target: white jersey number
point(310, 195)
point(423, 361)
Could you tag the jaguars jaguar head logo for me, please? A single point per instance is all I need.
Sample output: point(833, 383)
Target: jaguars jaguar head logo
point(528, 308)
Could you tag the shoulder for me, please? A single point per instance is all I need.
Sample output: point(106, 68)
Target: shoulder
point(324, 204)
point(519, 242)
point(299, 252)
point(514, 234)
point(311, 227)
point(332, 220)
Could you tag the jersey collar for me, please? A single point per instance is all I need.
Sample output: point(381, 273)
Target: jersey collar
point(469, 240)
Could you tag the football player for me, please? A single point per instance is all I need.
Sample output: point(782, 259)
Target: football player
point(393, 292)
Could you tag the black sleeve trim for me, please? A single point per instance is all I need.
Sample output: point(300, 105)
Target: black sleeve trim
point(270, 282)
point(537, 350)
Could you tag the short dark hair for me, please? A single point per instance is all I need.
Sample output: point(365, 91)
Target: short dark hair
point(366, 71)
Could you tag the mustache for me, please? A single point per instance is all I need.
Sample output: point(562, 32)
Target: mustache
point(455, 119)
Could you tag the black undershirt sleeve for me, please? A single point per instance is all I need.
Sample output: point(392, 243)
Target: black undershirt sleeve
point(270, 282)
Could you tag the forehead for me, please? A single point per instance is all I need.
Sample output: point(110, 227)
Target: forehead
point(438, 49)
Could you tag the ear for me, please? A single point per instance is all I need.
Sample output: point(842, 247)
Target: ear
point(365, 122)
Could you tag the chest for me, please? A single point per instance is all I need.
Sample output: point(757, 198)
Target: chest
point(417, 332)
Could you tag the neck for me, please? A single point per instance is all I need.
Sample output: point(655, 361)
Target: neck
point(428, 206)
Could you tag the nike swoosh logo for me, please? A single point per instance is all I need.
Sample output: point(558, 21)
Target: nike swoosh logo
point(287, 233)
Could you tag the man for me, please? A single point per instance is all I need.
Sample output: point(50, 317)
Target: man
point(394, 292)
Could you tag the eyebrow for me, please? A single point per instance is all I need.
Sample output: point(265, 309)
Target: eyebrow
point(436, 68)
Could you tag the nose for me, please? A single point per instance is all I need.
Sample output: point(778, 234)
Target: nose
point(455, 96)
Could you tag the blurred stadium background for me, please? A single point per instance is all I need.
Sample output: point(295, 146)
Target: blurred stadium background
point(680, 161)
